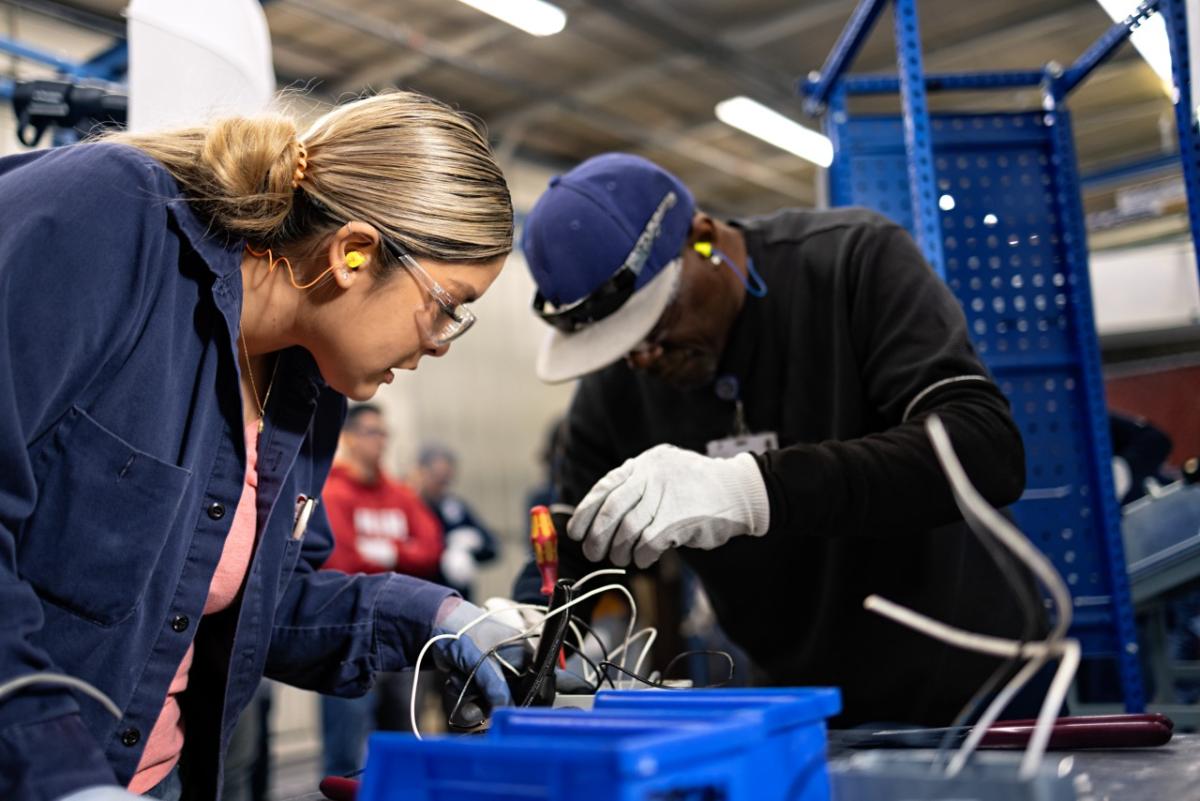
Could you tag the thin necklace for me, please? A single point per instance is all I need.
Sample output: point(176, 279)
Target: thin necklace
point(262, 405)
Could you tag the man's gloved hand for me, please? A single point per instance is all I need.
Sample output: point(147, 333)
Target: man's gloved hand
point(107, 792)
point(460, 656)
point(666, 498)
point(458, 559)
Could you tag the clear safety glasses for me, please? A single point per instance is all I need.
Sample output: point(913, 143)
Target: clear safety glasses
point(453, 318)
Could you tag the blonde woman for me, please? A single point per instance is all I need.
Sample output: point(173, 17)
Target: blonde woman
point(182, 316)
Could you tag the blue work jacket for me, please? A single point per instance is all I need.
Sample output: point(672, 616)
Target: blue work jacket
point(121, 464)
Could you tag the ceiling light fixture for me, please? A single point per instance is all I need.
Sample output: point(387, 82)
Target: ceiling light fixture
point(532, 16)
point(1150, 38)
point(770, 126)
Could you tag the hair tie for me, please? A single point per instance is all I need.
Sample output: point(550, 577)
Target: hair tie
point(301, 164)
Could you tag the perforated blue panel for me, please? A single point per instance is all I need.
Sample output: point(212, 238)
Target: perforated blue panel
point(1006, 259)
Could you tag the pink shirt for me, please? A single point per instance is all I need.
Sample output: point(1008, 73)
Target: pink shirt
point(165, 742)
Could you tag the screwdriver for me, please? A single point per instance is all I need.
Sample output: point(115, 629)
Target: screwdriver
point(545, 547)
point(545, 552)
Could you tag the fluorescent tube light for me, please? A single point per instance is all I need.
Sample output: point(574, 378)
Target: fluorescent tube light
point(532, 16)
point(1150, 39)
point(770, 126)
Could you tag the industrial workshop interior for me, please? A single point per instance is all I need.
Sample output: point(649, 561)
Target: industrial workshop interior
point(631, 400)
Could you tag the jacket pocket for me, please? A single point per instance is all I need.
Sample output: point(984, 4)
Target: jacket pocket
point(103, 513)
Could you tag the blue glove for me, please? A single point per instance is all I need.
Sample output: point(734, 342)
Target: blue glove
point(461, 655)
point(107, 792)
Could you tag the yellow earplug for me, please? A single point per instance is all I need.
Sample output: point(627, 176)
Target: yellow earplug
point(705, 249)
point(354, 260)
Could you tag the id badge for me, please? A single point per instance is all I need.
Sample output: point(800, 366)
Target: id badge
point(744, 443)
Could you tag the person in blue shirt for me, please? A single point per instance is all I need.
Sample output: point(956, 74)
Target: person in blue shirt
point(468, 541)
point(182, 316)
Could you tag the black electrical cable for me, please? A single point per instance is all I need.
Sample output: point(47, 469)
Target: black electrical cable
point(659, 684)
point(606, 665)
point(701, 652)
point(601, 678)
point(551, 643)
point(492, 652)
point(589, 630)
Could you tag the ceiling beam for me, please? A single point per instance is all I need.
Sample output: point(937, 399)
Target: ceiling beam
point(965, 54)
point(758, 34)
point(398, 69)
point(678, 144)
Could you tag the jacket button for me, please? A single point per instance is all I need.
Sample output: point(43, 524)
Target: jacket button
point(130, 737)
point(179, 623)
point(216, 510)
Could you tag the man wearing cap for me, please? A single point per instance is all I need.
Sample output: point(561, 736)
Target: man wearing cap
point(753, 395)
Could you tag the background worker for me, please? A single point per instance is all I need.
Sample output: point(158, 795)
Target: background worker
point(184, 314)
point(753, 395)
point(468, 542)
point(379, 525)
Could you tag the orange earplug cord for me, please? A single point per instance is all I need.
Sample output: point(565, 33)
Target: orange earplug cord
point(274, 262)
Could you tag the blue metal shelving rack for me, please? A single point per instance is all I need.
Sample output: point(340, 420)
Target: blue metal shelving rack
point(994, 202)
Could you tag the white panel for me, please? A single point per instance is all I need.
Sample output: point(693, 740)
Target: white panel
point(189, 62)
point(1145, 288)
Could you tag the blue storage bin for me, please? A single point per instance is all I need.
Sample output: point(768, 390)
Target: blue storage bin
point(791, 762)
point(613, 760)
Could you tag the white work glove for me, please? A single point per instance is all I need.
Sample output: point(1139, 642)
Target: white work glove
point(106, 792)
point(668, 498)
point(458, 559)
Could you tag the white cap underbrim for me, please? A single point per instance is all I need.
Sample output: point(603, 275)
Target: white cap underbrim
point(566, 356)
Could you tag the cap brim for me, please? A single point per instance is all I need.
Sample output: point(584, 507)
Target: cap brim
point(566, 356)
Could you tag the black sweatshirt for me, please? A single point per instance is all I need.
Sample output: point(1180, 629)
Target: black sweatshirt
point(855, 343)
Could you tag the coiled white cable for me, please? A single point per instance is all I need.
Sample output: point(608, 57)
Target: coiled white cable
point(412, 708)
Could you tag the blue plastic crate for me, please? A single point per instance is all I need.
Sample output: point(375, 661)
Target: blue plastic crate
point(791, 762)
point(697, 760)
point(754, 773)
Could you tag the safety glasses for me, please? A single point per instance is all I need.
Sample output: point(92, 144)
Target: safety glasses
point(612, 294)
point(454, 318)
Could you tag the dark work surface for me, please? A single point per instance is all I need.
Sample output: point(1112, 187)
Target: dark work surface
point(1170, 772)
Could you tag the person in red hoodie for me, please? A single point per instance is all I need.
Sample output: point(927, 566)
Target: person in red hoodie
point(379, 524)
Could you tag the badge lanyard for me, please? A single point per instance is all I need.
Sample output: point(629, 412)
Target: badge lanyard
point(728, 388)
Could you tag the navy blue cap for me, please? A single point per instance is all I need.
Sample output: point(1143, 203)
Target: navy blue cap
point(584, 227)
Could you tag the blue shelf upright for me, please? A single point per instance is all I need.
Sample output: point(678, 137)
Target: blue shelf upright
point(994, 202)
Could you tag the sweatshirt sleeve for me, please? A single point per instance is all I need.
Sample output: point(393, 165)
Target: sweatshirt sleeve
point(334, 632)
point(910, 339)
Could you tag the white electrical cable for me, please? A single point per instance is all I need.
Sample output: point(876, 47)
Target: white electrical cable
point(967, 640)
point(412, 706)
point(412, 701)
point(1051, 706)
point(987, 521)
point(608, 571)
point(637, 666)
point(650, 633)
point(20, 682)
point(580, 640)
point(980, 515)
point(615, 571)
